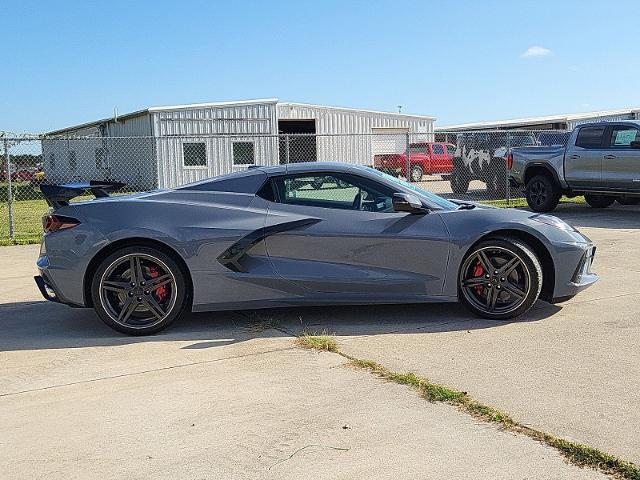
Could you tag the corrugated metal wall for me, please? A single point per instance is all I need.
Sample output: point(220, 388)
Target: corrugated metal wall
point(355, 148)
point(175, 128)
point(125, 150)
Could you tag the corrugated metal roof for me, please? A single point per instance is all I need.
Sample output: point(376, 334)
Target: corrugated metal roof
point(229, 104)
point(565, 117)
point(212, 104)
point(350, 109)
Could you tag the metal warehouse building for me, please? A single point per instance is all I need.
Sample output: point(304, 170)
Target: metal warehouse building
point(552, 122)
point(169, 146)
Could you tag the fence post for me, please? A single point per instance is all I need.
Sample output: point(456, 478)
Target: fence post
point(286, 149)
point(9, 190)
point(506, 172)
point(408, 154)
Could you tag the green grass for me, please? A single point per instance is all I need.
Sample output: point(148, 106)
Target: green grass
point(27, 220)
point(575, 453)
point(317, 342)
point(522, 202)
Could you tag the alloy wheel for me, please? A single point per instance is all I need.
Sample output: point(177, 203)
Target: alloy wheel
point(138, 290)
point(538, 193)
point(495, 280)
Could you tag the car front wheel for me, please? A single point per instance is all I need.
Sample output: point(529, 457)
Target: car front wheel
point(138, 290)
point(500, 278)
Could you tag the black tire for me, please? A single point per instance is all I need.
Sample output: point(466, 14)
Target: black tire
point(599, 201)
point(416, 173)
point(542, 193)
point(497, 179)
point(459, 180)
point(133, 306)
point(628, 200)
point(515, 293)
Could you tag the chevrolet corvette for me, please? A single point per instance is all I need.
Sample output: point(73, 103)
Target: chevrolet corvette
point(293, 235)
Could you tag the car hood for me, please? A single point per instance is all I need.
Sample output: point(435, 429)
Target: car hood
point(467, 224)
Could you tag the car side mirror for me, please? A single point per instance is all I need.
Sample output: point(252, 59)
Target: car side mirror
point(407, 202)
point(635, 144)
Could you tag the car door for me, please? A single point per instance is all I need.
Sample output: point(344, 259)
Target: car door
point(621, 162)
point(583, 161)
point(354, 243)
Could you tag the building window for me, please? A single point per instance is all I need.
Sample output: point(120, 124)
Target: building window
point(52, 161)
point(72, 160)
point(194, 154)
point(101, 157)
point(243, 153)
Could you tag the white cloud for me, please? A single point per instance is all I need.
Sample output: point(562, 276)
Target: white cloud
point(535, 51)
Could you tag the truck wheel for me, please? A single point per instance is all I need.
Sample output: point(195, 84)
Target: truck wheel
point(542, 194)
point(459, 181)
point(416, 173)
point(628, 200)
point(497, 179)
point(599, 201)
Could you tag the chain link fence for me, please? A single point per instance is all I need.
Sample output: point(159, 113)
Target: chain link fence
point(464, 165)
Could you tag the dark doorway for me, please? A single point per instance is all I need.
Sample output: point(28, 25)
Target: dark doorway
point(301, 144)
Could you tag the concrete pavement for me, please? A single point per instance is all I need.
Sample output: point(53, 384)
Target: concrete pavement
point(219, 396)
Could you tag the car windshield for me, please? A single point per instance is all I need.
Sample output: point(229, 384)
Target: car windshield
point(430, 197)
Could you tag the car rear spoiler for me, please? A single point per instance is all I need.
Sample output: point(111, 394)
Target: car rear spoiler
point(59, 195)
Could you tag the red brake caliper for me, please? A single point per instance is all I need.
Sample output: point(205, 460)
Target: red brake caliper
point(161, 291)
point(478, 271)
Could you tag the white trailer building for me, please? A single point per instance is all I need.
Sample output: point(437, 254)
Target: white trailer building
point(170, 146)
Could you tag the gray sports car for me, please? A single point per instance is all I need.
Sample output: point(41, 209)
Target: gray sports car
point(298, 234)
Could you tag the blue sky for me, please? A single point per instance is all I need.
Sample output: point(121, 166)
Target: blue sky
point(69, 62)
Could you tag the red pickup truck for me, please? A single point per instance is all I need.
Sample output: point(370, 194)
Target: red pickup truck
point(426, 158)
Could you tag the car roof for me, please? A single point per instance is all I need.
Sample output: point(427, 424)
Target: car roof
point(305, 167)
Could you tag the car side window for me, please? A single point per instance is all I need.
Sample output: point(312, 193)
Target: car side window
point(438, 149)
point(590, 137)
point(324, 190)
point(451, 149)
point(622, 136)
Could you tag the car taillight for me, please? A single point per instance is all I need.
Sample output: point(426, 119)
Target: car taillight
point(53, 223)
point(509, 161)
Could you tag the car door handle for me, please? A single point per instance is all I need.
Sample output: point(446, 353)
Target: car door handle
point(610, 157)
point(575, 157)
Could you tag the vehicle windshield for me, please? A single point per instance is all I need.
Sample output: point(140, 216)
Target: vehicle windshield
point(521, 140)
point(430, 197)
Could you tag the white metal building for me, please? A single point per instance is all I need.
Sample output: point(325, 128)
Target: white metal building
point(169, 146)
point(551, 122)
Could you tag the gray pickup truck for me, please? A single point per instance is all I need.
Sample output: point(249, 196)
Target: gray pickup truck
point(600, 161)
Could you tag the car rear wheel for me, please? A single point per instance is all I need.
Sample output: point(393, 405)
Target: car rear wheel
point(542, 194)
point(416, 173)
point(599, 201)
point(500, 278)
point(138, 290)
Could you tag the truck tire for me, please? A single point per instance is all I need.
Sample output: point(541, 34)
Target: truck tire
point(416, 173)
point(599, 201)
point(497, 179)
point(542, 194)
point(628, 200)
point(459, 179)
